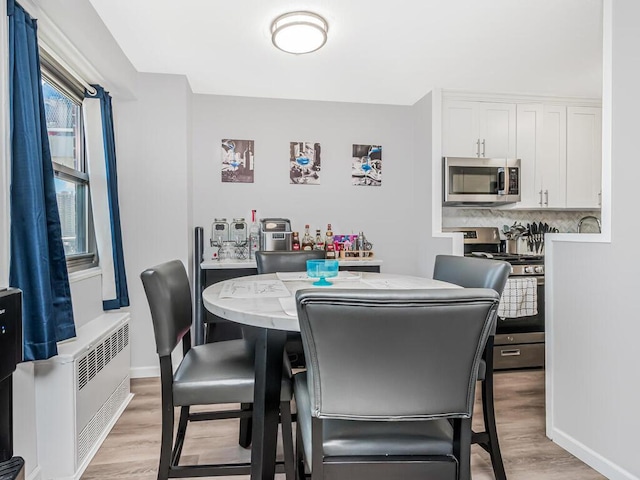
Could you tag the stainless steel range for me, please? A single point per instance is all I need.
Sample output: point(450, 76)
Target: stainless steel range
point(519, 341)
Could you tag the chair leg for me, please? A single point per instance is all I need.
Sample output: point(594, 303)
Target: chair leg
point(244, 439)
point(300, 474)
point(287, 440)
point(462, 447)
point(489, 415)
point(180, 435)
point(166, 442)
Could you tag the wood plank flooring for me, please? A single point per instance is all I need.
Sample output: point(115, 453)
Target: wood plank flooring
point(131, 450)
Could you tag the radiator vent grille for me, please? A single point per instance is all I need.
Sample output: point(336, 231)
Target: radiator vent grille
point(89, 435)
point(100, 356)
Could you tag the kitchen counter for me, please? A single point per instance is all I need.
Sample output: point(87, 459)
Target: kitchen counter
point(239, 264)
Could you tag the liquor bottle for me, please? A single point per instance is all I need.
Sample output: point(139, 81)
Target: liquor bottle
point(254, 235)
point(295, 242)
point(307, 241)
point(319, 241)
point(329, 246)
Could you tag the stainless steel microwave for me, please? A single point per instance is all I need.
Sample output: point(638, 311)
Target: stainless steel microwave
point(481, 181)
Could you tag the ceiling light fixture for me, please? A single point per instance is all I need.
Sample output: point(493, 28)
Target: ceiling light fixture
point(299, 32)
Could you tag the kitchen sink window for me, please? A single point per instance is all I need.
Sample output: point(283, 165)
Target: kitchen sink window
point(63, 110)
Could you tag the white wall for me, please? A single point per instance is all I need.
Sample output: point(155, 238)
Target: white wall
point(153, 149)
point(387, 214)
point(426, 149)
point(593, 376)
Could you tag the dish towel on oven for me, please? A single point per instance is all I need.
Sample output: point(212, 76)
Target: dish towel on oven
point(519, 298)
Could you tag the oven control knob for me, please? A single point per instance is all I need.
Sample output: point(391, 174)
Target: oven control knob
point(528, 269)
point(539, 269)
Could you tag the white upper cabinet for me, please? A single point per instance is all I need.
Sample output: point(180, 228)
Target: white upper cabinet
point(559, 145)
point(528, 139)
point(497, 129)
point(479, 129)
point(542, 148)
point(461, 137)
point(584, 157)
point(551, 170)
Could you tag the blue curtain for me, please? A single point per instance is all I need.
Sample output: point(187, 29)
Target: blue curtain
point(38, 265)
point(122, 294)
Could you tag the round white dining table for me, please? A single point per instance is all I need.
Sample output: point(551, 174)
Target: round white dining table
point(268, 302)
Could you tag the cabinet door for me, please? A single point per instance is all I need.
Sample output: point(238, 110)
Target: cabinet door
point(497, 129)
point(584, 157)
point(551, 170)
point(529, 141)
point(460, 129)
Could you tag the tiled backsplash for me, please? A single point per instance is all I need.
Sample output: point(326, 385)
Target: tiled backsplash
point(566, 221)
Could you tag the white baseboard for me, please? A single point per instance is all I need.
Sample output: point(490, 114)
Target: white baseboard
point(144, 372)
point(591, 458)
point(36, 474)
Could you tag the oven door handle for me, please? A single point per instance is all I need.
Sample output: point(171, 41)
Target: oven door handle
point(539, 278)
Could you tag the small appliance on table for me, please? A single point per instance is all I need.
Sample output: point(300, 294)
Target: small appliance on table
point(519, 341)
point(275, 234)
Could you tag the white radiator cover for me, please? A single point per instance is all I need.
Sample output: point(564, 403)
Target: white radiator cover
point(80, 394)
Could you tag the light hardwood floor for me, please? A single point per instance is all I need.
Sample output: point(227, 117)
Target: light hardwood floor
point(131, 449)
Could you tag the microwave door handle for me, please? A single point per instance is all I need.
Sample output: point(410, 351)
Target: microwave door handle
point(501, 181)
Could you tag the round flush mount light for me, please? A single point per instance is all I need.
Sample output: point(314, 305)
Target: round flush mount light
point(299, 32)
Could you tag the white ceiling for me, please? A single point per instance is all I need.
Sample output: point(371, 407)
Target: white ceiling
point(378, 51)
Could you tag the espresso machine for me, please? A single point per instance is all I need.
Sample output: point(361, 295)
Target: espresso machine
point(11, 468)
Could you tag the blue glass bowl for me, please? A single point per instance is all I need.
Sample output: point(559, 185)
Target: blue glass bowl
point(322, 269)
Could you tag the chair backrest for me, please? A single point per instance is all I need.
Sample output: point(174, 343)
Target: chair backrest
point(169, 297)
point(272, 262)
point(393, 355)
point(471, 272)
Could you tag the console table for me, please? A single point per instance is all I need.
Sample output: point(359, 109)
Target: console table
point(209, 327)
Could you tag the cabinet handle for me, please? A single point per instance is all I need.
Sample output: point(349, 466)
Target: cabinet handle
point(546, 198)
point(510, 353)
point(478, 148)
point(600, 198)
point(540, 193)
point(483, 154)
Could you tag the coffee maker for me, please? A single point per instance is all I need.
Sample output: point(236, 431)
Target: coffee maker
point(11, 468)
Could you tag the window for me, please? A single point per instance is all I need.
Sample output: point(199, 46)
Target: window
point(63, 111)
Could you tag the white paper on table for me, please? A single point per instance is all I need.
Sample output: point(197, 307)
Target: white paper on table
point(289, 306)
point(300, 276)
point(254, 289)
point(394, 283)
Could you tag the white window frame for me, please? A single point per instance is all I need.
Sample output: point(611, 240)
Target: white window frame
point(58, 76)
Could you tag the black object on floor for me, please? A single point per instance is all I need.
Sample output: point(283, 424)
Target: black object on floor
point(12, 469)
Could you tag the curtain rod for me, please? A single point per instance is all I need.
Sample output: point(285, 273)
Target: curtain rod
point(63, 64)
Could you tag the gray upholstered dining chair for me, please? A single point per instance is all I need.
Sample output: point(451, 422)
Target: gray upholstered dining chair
point(214, 373)
point(390, 381)
point(473, 272)
point(286, 261)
